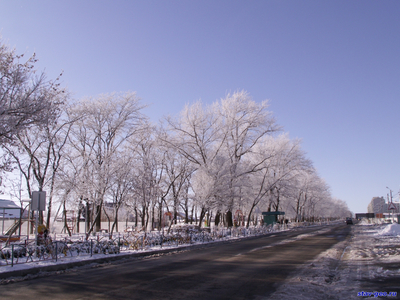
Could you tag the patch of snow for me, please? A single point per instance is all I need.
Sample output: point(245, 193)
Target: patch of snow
point(338, 273)
point(391, 229)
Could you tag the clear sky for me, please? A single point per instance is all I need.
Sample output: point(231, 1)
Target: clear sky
point(330, 69)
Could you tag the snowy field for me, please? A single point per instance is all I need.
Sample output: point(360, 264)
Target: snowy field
point(371, 253)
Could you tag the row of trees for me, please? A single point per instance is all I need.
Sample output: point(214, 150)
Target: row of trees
point(223, 161)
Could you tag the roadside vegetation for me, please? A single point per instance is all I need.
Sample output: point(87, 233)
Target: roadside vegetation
point(101, 158)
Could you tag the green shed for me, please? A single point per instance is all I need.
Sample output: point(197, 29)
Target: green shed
point(271, 217)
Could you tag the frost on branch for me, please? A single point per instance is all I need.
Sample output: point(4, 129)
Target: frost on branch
point(25, 97)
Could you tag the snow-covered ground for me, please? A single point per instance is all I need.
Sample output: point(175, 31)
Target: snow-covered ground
point(370, 254)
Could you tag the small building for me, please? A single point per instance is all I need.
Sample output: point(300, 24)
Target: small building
point(271, 217)
point(360, 216)
point(10, 214)
point(9, 210)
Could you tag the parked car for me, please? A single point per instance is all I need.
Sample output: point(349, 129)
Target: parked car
point(349, 221)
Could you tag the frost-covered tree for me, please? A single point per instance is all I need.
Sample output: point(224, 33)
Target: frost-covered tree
point(216, 137)
point(274, 163)
point(336, 209)
point(37, 151)
point(109, 122)
point(177, 173)
point(318, 195)
point(198, 136)
point(121, 187)
point(290, 160)
point(196, 133)
point(207, 191)
point(245, 124)
point(26, 98)
point(145, 177)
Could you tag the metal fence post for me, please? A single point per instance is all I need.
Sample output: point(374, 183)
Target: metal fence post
point(12, 255)
point(56, 251)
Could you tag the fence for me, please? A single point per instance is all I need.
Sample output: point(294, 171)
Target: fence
point(78, 245)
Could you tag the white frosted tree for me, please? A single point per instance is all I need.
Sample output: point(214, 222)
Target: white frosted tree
point(198, 136)
point(336, 209)
point(275, 162)
point(109, 121)
point(26, 98)
point(216, 137)
point(177, 173)
point(145, 178)
point(245, 124)
point(37, 151)
point(121, 187)
point(240, 162)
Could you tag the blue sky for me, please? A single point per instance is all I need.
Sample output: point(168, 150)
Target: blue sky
point(330, 69)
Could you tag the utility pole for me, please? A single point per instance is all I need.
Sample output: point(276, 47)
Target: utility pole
point(391, 206)
point(391, 203)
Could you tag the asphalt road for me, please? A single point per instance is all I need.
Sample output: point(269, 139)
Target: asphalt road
point(248, 269)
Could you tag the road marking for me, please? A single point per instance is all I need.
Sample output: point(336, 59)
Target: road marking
point(263, 247)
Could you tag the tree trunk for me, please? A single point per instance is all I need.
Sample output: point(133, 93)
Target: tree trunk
point(98, 218)
point(217, 218)
point(143, 216)
point(277, 200)
point(202, 214)
point(160, 218)
point(191, 215)
point(136, 217)
point(115, 224)
point(108, 219)
point(249, 216)
point(65, 220)
point(229, 219)
point(152, 217)
point(87, 217)
point(50, 203)
point(147, 219)
point(78, 219)
point(116, 218)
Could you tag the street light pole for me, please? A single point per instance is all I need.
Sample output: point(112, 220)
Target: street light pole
point(391, 202)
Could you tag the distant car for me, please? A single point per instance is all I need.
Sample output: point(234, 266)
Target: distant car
point(349, 221)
